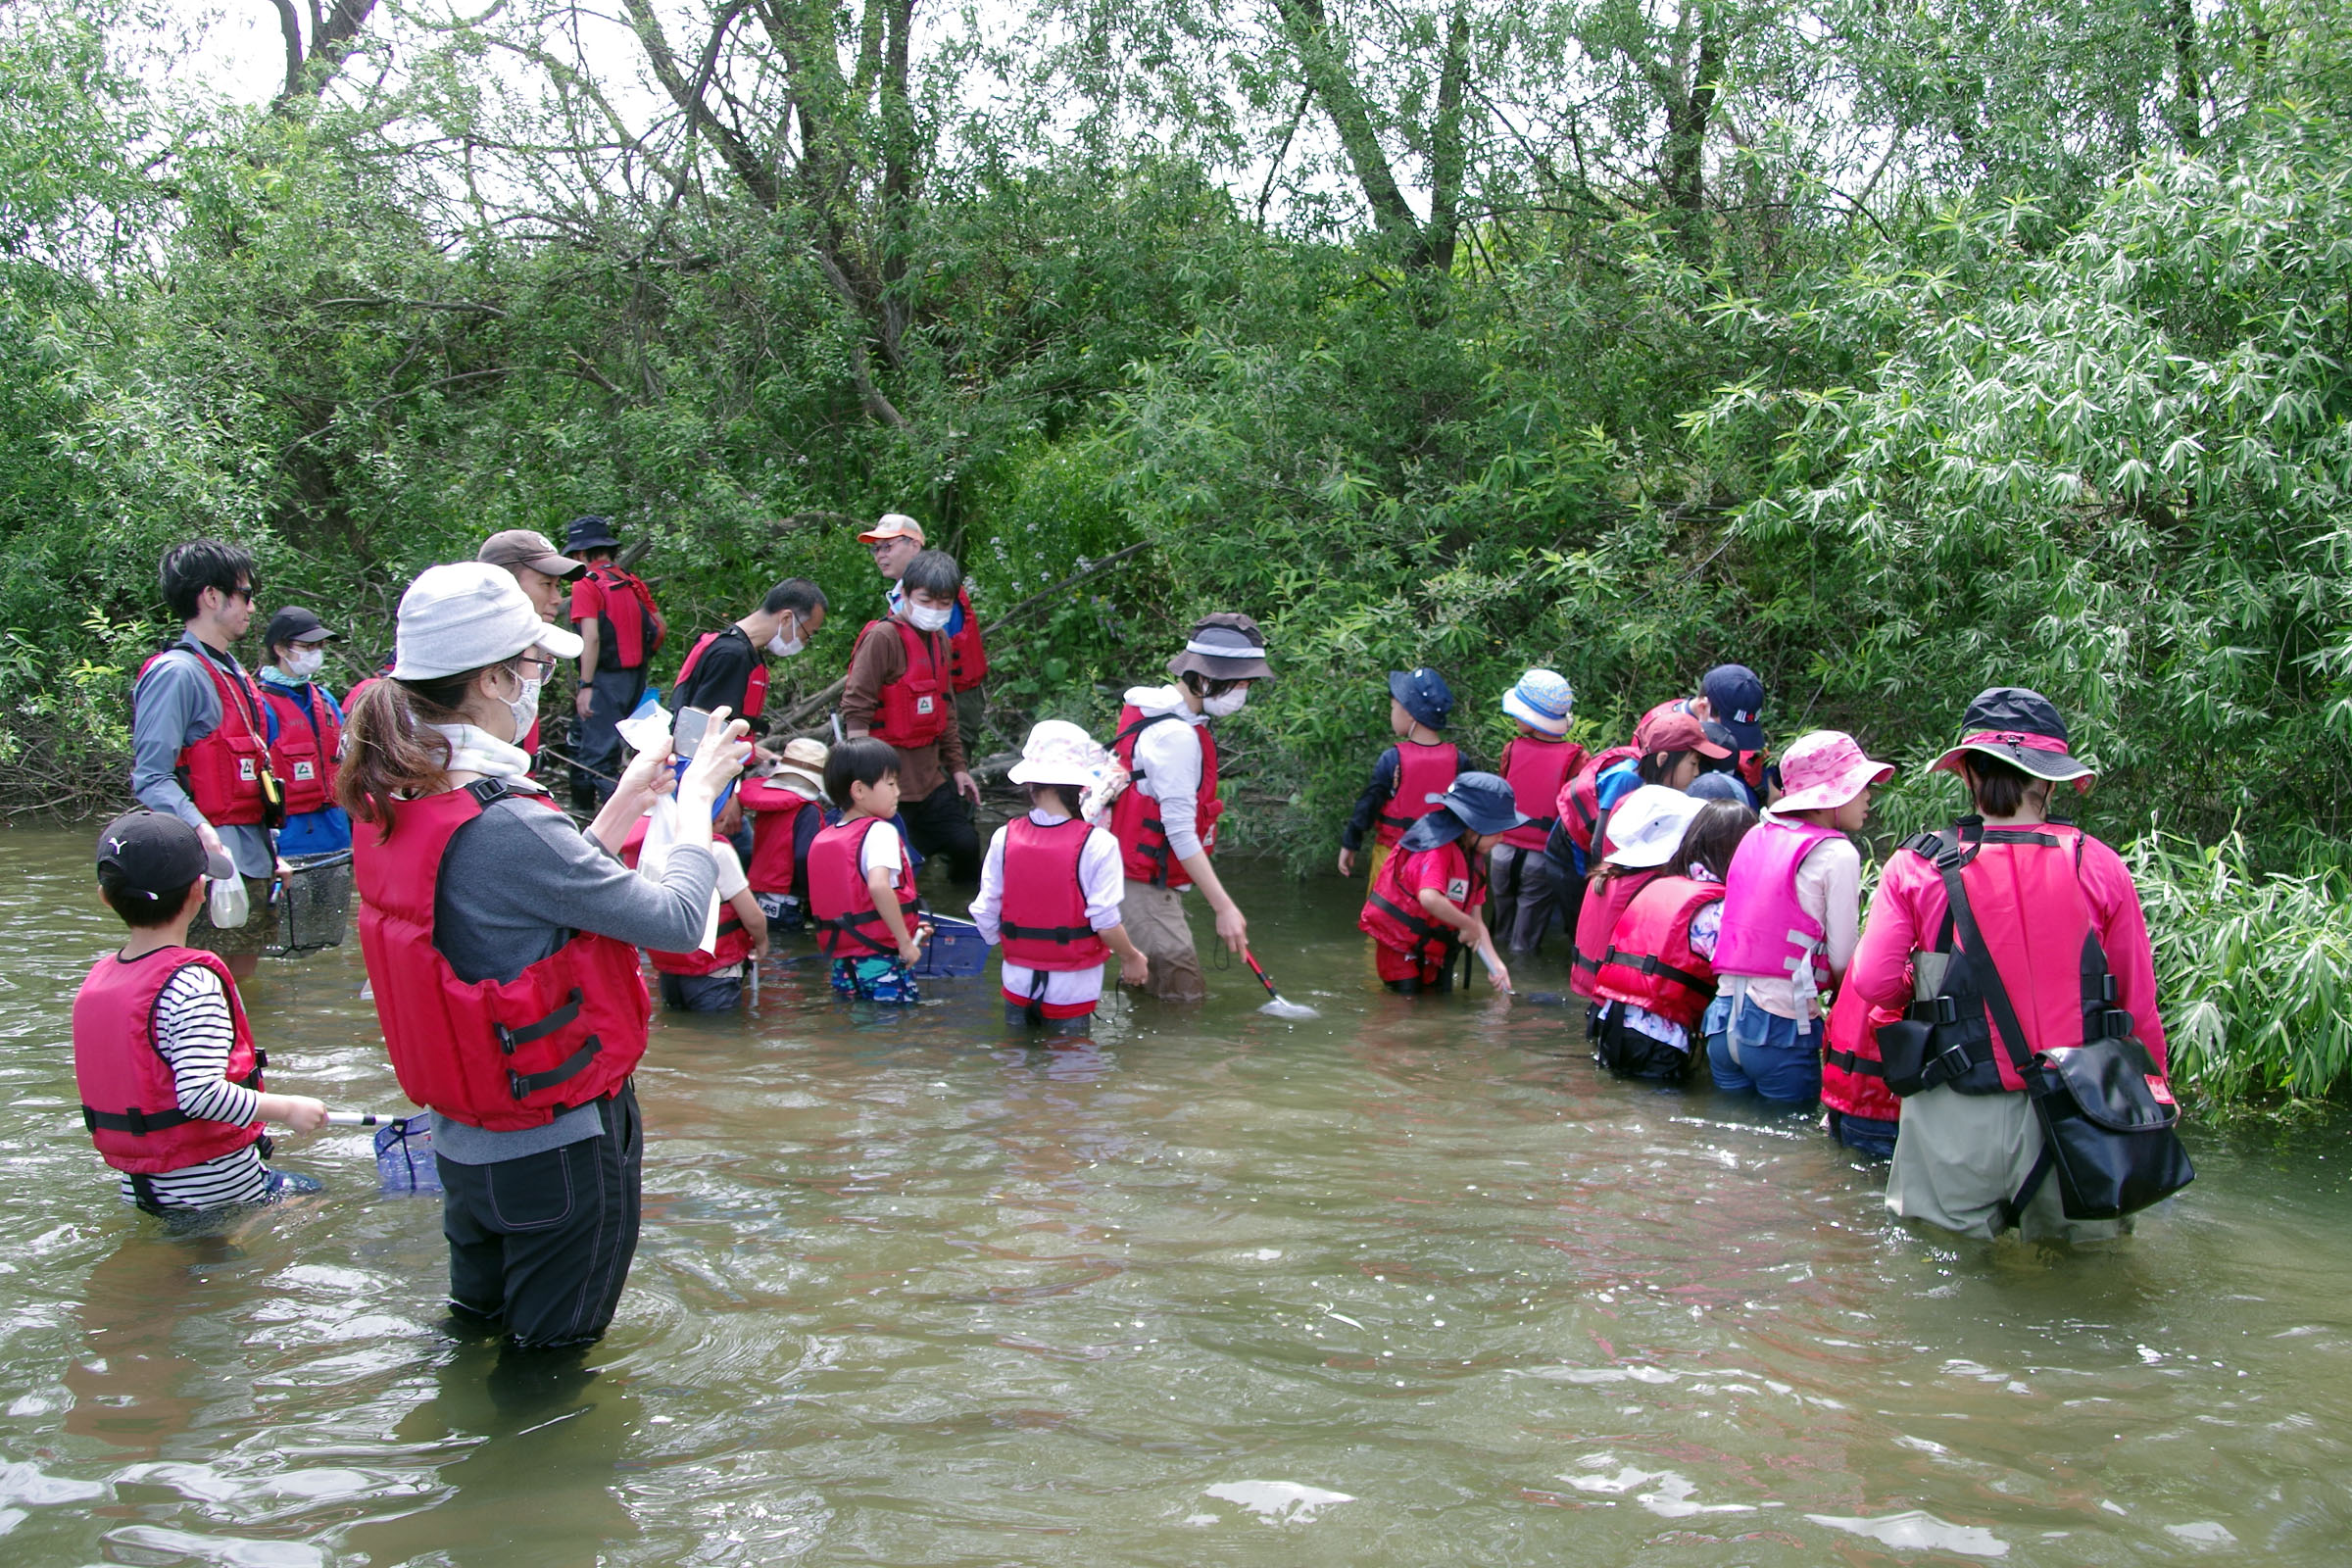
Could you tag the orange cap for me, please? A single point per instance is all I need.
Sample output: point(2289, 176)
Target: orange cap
point(894, 525)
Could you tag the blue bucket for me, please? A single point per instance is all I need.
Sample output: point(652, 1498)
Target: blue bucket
point(954, 949)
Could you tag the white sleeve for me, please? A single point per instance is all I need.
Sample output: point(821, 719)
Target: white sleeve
point(1103, 877)
point(731, 879)
point(881, 851)
point(986, 906)
point(194, 1032)
point(1829, 888)
point(1171, 757)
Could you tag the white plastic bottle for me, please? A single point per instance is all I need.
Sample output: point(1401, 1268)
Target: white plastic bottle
point(228, 903)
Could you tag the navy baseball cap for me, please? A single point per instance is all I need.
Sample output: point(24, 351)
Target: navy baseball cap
point(1737, 697)
point(590, 533)
point(1424, 694)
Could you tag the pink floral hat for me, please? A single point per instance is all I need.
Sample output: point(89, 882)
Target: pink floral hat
point(1825, 770)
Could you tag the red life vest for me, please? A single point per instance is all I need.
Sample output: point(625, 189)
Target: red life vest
point(1537, 772)
point(733, 943)
point(1044, 915)
point(916, 707)
point(2025, 887)
point(1578, 806)
point(1649, 962)
point(1393, 915)
point(303, 756)
point(227, 772)
point(848, 923)
point(628, 626)
point(1852, 1080)
point(1596, 920)
point(755, 689)
point(971, 660)
point(1421, 771)
point(1766, 931)
point(129, 1101)
point(566, 1030)
point(775, 813)
point(1135, 817)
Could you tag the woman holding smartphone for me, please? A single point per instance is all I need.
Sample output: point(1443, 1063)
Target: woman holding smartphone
point(502, 946)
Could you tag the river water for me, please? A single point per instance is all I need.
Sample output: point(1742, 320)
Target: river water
point(1409, 1284)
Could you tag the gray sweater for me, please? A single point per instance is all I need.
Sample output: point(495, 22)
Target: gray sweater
point(515, 883)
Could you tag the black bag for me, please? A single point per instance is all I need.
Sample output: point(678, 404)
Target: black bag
point(2110, 1128)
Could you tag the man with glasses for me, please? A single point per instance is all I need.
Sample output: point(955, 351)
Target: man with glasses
point(199, 741)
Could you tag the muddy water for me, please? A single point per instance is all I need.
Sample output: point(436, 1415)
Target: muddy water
point(1409, 1284)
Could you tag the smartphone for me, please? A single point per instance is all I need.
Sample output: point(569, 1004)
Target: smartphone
point(686, 732)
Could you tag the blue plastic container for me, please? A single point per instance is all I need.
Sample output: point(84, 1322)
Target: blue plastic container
point(404, 1156)
point(955, 949)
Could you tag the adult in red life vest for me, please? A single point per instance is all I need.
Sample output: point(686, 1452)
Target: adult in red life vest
point(1657, 975)
point(1733, 696)
point(170, 1078)
point(2062, 928)
point(1050, 887)
point(306, 733)
point(787, 808)
point(898, 539)
point(501, 945)
point(899, 690)
point(728, 667)
point(1791, 904)
point(1423, 907)
point(1523, 883)
point(1166, 822)
point(1410, 774)
point(621, 629)
point(200, 741)
point(544, 573)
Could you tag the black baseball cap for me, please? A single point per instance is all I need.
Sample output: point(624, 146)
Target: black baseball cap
point(294, 624)
point(157, 853)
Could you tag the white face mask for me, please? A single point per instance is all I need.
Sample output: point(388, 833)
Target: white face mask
point(303, 662)
point(922, 619)
point(777, 646)
point(525, 708)
point(1226, 706)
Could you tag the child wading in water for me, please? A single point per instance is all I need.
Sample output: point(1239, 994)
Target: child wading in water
point(1658, 975)
point(1410, 774)
point(169, 1079)
point(1791, 904)
point(860, 893)
point(1425, 898)
point(1538, 760)
point(1052, 885)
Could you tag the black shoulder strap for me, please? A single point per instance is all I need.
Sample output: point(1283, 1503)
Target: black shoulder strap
point(488, 792)
point(1985, 973)
point(1136, 729)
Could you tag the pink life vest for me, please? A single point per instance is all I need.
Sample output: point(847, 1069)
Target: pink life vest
point(1765, 930)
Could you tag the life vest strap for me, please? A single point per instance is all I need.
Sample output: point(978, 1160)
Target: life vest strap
point(1651, 963)
point(526, 1084)
point(508, 1039)
point(1419, 923)
point(1045, 933)
point(135, 1121)
point(1859, 1065)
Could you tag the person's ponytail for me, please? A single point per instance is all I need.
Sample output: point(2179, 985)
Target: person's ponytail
point(390, 752)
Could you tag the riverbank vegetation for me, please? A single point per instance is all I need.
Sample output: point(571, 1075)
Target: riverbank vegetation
point(1891, 352)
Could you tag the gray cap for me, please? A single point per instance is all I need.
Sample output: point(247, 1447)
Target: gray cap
point(467, 615)
point(526, 547)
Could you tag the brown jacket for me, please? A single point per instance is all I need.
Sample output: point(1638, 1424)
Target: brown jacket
point(875, 664)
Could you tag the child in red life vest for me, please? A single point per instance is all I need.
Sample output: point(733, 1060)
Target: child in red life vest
point(1523, 882)
point(1051, 884)
point(1791, 907)
point(710, 978)
point(169, 1079)
point(860, 889)
point(1425, 898)
point(1410, 774)
point(1657, 975)
point(787, 807)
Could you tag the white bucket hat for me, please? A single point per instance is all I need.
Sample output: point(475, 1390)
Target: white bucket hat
point(1058, 752)
point(1647, 825)
point(469, 615)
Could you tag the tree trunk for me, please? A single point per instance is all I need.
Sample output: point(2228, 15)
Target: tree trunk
point(1446, 155)
point(1326, 70)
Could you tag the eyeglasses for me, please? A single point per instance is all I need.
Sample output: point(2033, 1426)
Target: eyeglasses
point(242, 591)
point(539, 664)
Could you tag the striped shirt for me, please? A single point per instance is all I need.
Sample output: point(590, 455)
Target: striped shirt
point(194, 1031)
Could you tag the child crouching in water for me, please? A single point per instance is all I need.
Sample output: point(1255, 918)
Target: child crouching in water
point(1052, 885)
point(1425, 898)
point(169, 1079)
point(1658, 975)
point(860, 891)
